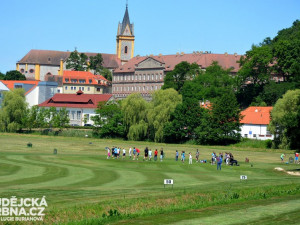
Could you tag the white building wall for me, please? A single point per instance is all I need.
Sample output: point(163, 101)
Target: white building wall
point(32, 98)
point(79, 121)
point(256, 131)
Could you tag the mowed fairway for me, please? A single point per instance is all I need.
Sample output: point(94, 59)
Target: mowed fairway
point(80, 184)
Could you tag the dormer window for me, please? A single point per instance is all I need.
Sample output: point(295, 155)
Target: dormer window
point(66, 80)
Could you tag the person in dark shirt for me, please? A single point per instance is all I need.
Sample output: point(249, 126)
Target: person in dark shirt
point(146, 153)
point(161, 154)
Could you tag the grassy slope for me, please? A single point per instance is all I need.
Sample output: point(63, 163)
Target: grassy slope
point(84, 184)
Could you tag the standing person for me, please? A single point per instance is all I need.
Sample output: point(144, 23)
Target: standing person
point(161, 154)
point(190, 158)
point(155, 155)
point(118, 152)
point(182, 156)
point(150, 154)
point(146, 151)
point(219, 162)
point(282, 157)
point(176, 155)
point(130, 152)
point(137, 153)
point(108, 153)
point(197, 155)
point(124, 153)
point(134, 153)
point(296, 157)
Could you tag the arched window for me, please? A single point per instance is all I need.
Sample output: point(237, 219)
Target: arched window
point(126, 50)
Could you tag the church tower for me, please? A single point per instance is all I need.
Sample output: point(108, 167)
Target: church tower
point(125, 39)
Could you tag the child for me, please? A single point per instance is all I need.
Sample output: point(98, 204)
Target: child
point(182, 156)
point(176, 155)
point(197, 155)
point(130, 152)
point(124, 153)
point(155, 155)
point(108, 153)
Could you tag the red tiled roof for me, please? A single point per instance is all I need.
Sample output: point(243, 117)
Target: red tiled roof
point(82, 75)
point(204, 60)
point(256, 115)
point(11, 83)
point(79, 100)
point(49, 57)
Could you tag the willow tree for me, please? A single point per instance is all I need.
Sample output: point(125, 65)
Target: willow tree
point(13, 111)
point(134, 109)
point(162, 105)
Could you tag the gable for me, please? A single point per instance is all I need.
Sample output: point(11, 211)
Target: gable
point(150, 63)
point(127, 31)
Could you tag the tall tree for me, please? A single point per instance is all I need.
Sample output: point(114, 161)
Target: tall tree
point(182, 72)
point(285, 121)
point(222, 124)
point(77, 61)
point(106, 73)
point(95, 63)
point(162, 105)
point(134, 109)
point(2, 76)
point(13, 111)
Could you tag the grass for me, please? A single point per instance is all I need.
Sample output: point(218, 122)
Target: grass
point(83, 187)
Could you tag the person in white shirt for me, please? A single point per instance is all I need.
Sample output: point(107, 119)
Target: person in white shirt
point(150, 154)
point(124, 153)
point(130, 152)
point(190, 159)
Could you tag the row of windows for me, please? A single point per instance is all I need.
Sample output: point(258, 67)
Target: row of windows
point(30, 71)
point(139, 77)
point(75, 88)
point(82, 81)
point(135, 88)
point(76, 115)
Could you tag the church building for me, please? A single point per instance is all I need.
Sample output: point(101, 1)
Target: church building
point(48, 65)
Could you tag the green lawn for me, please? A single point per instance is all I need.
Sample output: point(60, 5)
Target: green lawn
point(80, 184)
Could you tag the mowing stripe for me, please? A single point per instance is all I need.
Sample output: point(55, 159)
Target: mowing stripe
point(26, 171)
point(247, 215)
point(75, 174)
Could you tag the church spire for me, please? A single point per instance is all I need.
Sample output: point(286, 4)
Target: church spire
point(125, 38)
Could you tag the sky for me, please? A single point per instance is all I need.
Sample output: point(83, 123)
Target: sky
point(160, 26)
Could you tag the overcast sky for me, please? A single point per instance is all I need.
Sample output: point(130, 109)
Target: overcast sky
point(161, 26)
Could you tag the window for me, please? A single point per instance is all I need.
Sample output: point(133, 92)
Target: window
point(87, 116)
point(58, 90)
point(88, 88)
point(98, 89)
point(160, 77)
point(152, 77)
point(90, 81)
point(156, 77)
point(78, 115)
point(254, 135)
point(82, 81)
point(66, 87)
point(144, 77)
point(31, 71)
point(155, 87)
point(126, 50)
point(49, 74)
point(18, 86)
point(132, 88)
point(148, 77)
point(139, 88)
point(66, 80)
point(121, 88)
point(73, 115)
point(82, 88)
point(79, 88)
point(22, 70)
point(72, 88)
point(245, 135)
point(125, 78)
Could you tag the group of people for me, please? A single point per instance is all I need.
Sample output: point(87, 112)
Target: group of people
point(296, 157)
point(133, 153)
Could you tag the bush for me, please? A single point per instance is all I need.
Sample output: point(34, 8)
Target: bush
point(268, 143)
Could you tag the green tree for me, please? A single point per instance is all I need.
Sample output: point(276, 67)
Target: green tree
point(182, 72)
point(134, 109)
point(95, 63)
point(14, 75)
point(208, 85)
point(183, 122)
point(162, 105)
point(285, 121)
point(106, 73)
point(221, 125)
point(109, 120)
point(2, 76)
point(13, 111)
point(77, 61)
